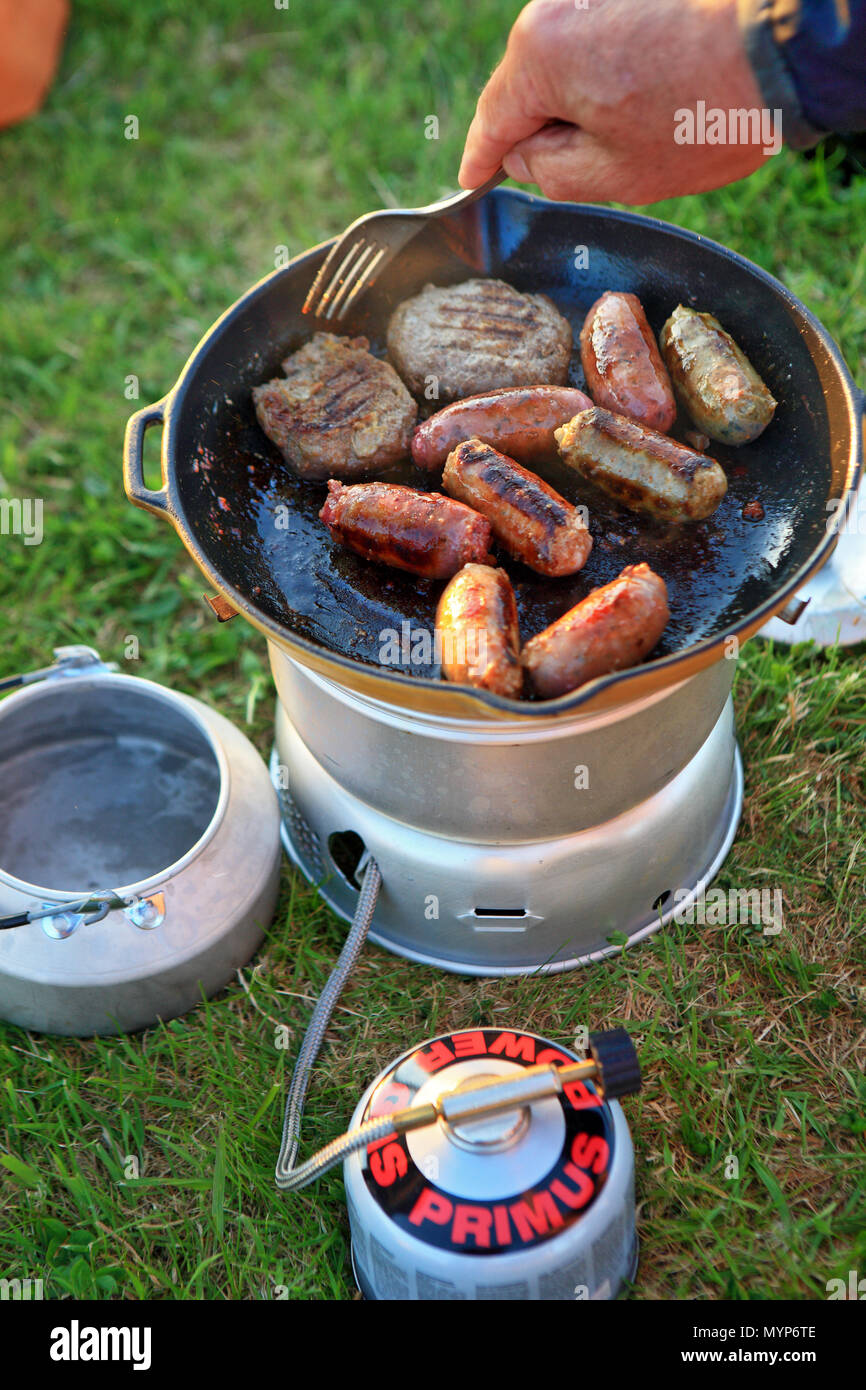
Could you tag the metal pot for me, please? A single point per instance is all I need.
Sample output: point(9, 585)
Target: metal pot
point(139, 833)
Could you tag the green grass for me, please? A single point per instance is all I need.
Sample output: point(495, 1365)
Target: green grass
point(261, 128)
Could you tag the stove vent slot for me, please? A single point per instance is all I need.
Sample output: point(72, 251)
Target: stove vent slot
point(347, 850)
point(500, 919)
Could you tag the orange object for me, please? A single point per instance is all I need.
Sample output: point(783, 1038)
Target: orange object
point(31, 41)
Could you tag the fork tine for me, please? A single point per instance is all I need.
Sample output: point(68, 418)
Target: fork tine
point(362, 285)
point(350, 279)
point(323, 274)
point(346, 275)
point(333, 279)
point(339, 275)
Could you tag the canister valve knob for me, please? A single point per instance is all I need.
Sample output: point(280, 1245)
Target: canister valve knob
point(618, 1069)
point(611, 1066)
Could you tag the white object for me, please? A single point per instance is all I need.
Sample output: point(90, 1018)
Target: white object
point(836, 612)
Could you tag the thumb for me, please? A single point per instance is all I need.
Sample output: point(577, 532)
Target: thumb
point(507, 112)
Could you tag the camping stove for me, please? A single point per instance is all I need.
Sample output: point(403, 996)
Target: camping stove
point(508, 846)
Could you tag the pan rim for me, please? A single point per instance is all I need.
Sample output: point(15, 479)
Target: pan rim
point(494, 705)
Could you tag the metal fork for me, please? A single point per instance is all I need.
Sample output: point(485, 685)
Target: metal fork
point(366, 247)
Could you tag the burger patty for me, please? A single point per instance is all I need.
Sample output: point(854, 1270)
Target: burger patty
point(339, 412)
point(478, 336)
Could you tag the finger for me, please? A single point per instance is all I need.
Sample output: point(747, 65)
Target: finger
point(568, 164)
point(553, 136)
point(508, 111)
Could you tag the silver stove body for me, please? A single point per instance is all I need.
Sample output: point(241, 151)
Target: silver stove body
point(508, 847)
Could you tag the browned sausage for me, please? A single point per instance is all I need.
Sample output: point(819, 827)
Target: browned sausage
point(422, 532)
point(476, 624)
point(613, 627)
point(527, 517)
point(714, 378)
point(640, 468)
point(622, 364)
point(519, 420)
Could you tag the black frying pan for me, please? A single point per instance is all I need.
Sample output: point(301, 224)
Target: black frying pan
point(254, 530)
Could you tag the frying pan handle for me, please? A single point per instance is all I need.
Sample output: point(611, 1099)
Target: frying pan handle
point(133, 460)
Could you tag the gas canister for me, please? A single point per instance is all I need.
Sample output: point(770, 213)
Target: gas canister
point(534, 1202)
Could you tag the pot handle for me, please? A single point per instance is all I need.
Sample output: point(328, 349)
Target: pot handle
point(133, 466)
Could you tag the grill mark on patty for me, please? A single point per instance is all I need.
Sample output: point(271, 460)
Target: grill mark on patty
point(485, 323)
point(467, 337)
point(507, 313)
point(334, 405)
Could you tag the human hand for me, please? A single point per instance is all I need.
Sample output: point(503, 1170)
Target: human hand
point(584, 104)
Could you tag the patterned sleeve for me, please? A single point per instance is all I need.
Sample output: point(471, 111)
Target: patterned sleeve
point(809, 57)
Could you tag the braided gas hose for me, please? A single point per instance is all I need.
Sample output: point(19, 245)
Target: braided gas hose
point(612, 1066)
point(288, 1177)
point(293, 1179)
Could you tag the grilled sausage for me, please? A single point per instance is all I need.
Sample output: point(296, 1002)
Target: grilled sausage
point(527, 517)
point(622, 364)
point(640, 468)
point(422, 532)
point(476, 624)
point(613, 627)
point(714, 379)
point(519, 420)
